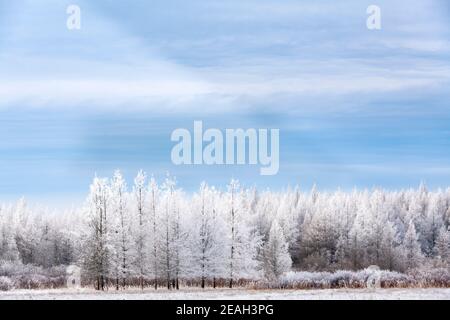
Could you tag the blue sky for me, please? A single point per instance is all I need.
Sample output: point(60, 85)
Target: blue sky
point(355, 108)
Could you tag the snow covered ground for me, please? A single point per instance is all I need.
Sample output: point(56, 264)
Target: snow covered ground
point(227, 294)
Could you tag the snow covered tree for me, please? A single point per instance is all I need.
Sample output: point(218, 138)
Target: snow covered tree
point(179, 238)
point(389, 250)
point(434, 221)
point(319, 237)
point(442, 248)
point(276, 253)
point(141, 235)
point(8, 246)
point(288, 217)
point(154, 227)
point(96, 249)
point(162, 236)
point(26, 235)
point(172, 235)
point(418, 211)
point(121, 240)
point(411, 248)
point(242, 248)
point(207, 237)
point(358, 242)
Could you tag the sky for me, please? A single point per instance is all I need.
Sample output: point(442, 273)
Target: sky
point(355, 107)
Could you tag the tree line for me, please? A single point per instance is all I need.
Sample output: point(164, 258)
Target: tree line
point(152, 234)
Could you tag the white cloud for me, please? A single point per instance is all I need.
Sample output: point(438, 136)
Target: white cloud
point(424, 45)
point(170, 84)
point(107, 67)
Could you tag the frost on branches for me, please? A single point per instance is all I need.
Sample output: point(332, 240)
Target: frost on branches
point(155, 235)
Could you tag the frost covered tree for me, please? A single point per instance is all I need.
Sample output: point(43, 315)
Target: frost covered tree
point(26, 234)
point(288, 216)
point(8, 245)
point(162, 236)
point(319, 237)
point(207, 237)
point(389, 250)
point(180, 237)
point(434, 221)
point(96, 248)
point(357, 244)
point(411, 248)
point(241, 247)
point(442, 248)
point(122, 253)
point(172, 235)
point(418, 211)
point(141, 226)
point(277, 259)
point(154, 227)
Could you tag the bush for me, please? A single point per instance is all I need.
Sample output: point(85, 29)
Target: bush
point(439, 277)
point(305, 280)
point(344, 279)
point(33, 277)
point(393, 279)
point(6, 284)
